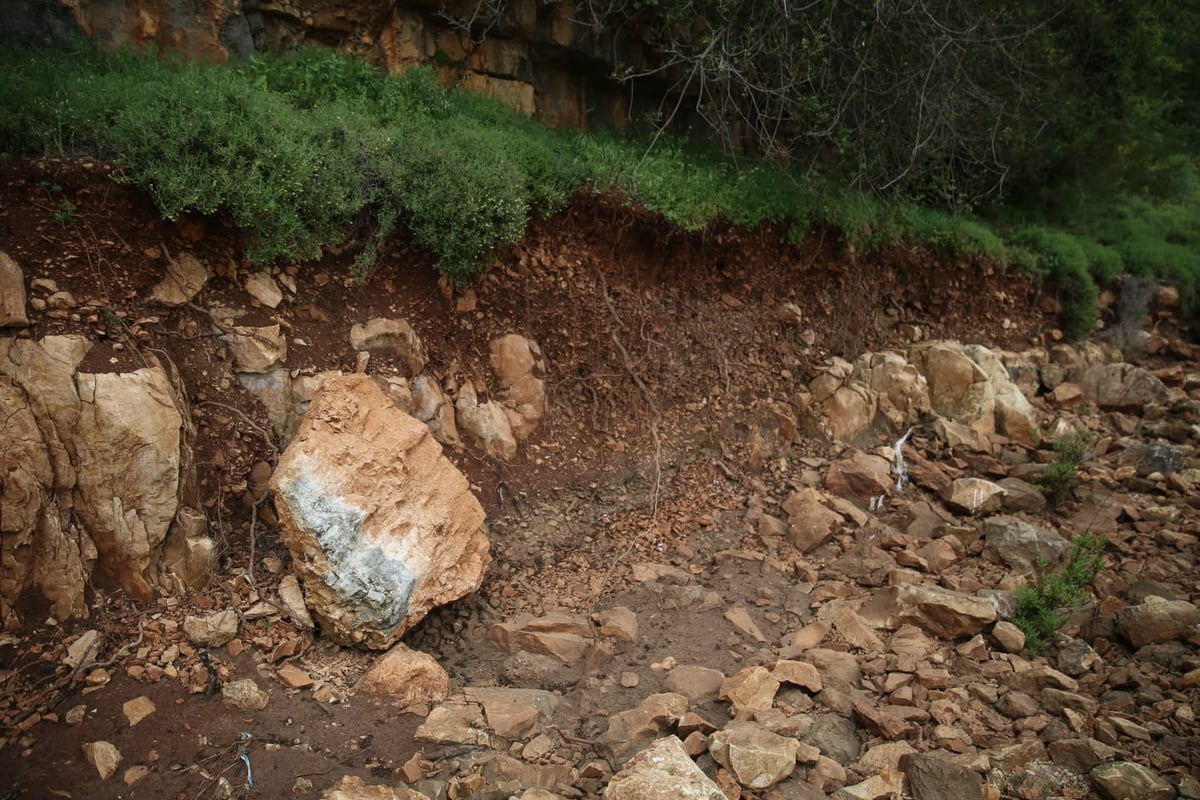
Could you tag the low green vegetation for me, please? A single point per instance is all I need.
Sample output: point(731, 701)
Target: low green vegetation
point(1071, 450)
point(1039, 608)
point(301, 151)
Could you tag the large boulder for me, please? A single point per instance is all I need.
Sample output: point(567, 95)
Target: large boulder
point(95, 470)
point(1015, 416)
point(903, 391)
point(959, 389)
point(381, 526)
point(1120, 387)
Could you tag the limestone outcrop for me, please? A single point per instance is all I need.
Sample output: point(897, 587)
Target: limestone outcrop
point(381, 526)
point(93, 477)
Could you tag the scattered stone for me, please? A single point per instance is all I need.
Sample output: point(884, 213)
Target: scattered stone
point(619, 623)
point(959, 389)
point(885, 785)
point(292, 598)
point(860, 475)
point(749, 690)
point(381, 526)
point(740, 618)
point(135, 774)
point(1010, 638)
point(836, 737)
point(1022, 496)
point(104, 756)
point(1021, 545)
point(698, 684)
point(662, 771)
point(798, 673)
point(256, 350)
point(514, 713)
point(12, 293)
point(186, 276)
point(566, 637)
point(395, 336)
point(213, 630)
point(519, 367)
point(352, 787)
point(137, 709)
point(83, 650)
point(1120, 387)
point(1157, 620)
point(630, 730)
point(973, 496)
point(405, 677)
point(758, 758)
point(942, 612)
point(1080, 755)
point(457, 721)
point(263, 288)
point(855, 630)
point(244, 695)
point(293, 677)
point(1125, 780)
point(485, 425)
point(810, 522)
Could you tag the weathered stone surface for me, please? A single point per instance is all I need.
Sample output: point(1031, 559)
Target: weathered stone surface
point(263, 288)
point(942, 612)
point(256, 349)
point(352, 787)
point(137, 709)
point(1021, 545)
point(798, 673)
point(1014, 414)
point(903, 393)
point(885, 785)
point(431, 406)
point(1120, 387)
point(395, 336)
point(244, 695)
point(1157, 620)
point(1010, 638)
point(758, 758)
point(1125, 780)
point(185, 278)
point(662, 771)
point(514, 713)
point(973, 496)
point(629, 731)
point(484, 425)
point(12, 293)
point(212, 630)
point(959, 389)
point(1021, 496)
point(1080, 755)
point(406, 678)
point(567, 637)
point(860, 475)
point(848, 411)
point(519, 366)
point(749, 690)
point(618, 622)
point(810, 522)
point(457, 721)
point(380, 525)
point(104, 756)
point(836, 737)
point(694, 682)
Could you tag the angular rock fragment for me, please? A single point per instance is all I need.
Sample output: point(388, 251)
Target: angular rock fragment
point(12, 293)
point(394, 336)
point(380, 525)
point(1157, 620)
point(942, 612)
point(406, 678)
point(662, 771)
point(104, 756)
point(1125, 780)
point(758, 758)
point(186, 276)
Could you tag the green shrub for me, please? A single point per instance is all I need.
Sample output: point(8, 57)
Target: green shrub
point(1072, 450)
point(1059, 256)
point(1038, 608)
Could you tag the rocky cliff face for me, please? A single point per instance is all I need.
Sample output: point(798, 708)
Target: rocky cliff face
point(535, 57)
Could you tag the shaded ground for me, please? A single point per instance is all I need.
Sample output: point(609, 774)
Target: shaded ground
point(666, 362)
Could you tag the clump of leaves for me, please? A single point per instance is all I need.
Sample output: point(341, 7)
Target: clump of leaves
point(1072, 450)
point(1039, 609)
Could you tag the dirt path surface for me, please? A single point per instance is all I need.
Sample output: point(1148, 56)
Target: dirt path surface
point(668, 364)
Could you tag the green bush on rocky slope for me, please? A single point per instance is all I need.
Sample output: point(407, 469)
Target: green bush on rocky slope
point(298, 150)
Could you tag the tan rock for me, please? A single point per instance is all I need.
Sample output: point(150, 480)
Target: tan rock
point(694, 682)
point(860, 475)
point(12, 293)
point(798, 673)
point(395, 336)
point(942, 612)
point(212, 630)
point(256, 349)
point(352, 787)
point(457, 721)
point(959, 389)
point(849, 412)
point(810, 522)
point(740, 618)
point(484, 425)
point(1157, 620)
point(244, 695)
point(629, 731)
point(519, 366)
point(758, 758)
point(514, 713)
point(406, 678)
point(973, 496)
point(104, 756)
point(1120, 387)
point(619, 623)
point(566, 637)
point(855, 630)
point(135, 774)
point(662, 771)
point(885, 785)
point(263, 288)
point(750, 690)
point(1010, 638)
point(431, 406)
point(380, 525)
point(185, 278)
point(293, 677)
point(138, 709)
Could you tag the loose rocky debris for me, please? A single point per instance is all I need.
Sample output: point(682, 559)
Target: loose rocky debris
point(790, 575)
